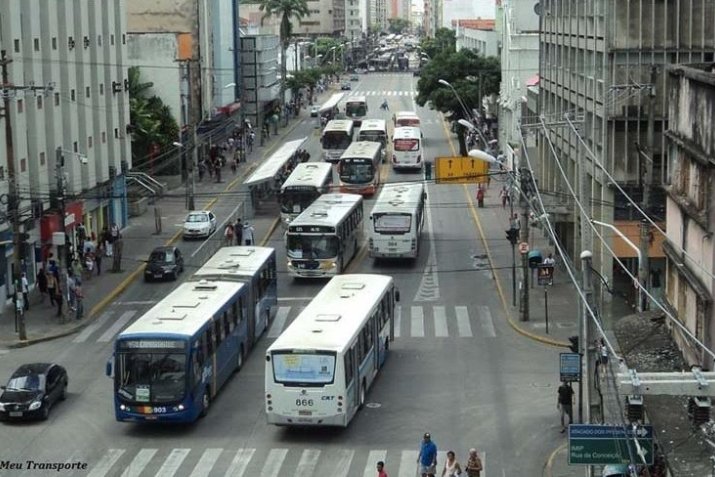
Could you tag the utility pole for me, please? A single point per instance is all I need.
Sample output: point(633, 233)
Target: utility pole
point(645, 229)
point(525, 188)
point(190, 183)
point(583, 334)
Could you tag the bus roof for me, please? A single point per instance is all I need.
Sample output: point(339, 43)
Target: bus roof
point(185, 311)
point(241, 262)
point(356, 99)
point(398, 197)
point(332, 320)
point(363, 149)
point(373, 125)
point(406, 114)
point(327, 210)
point(332, 102)
point(270, 168)
point(308, 174)
point(343, 125)
point(406, 132)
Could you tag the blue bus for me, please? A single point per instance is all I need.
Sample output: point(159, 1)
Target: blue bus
point(254, 266)
point(170, 363)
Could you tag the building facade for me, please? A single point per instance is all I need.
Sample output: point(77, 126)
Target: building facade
point(70, 142)
point(689, 283)
point(354, 20)
point(477, 35)
point(600, 62)
point(259, 57)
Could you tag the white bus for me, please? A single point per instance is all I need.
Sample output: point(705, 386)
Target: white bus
point(375, 130)
point(407, 148)
point(336, 137)
point(396, 221)
point(307, 182)
point(324, 238)
point(319, 370)
point(359, 168)
point(356, 109)
point(407, 118)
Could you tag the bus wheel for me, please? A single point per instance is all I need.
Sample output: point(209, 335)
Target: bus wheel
point(239, 363)
point(205, 403)
point(362, 394)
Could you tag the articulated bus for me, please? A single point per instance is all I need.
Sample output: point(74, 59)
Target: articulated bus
point(170, 363)
point(407, 148)
point(319, 370)
point(396, 221)
point(375, 130)
point(356, 109)
point(359, 168)
point(256, 268)
point(336, 137)
point(324, 238)
point(307, 182)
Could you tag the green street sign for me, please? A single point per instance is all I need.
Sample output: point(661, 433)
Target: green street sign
point(603, 445)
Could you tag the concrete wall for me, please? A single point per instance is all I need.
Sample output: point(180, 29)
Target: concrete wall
point(485, 42)
point(161, 16)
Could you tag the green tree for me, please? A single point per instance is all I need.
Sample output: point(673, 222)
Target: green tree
point(444, 40)
point(151, 122)
point(471, 75)
point(397, 25)
point(286, 10)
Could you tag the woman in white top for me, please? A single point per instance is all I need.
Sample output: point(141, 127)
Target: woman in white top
point(451, 466)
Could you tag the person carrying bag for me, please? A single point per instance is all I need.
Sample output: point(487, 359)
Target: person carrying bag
point(474, 464)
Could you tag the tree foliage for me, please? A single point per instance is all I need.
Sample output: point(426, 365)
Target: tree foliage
point(151, 121)
point(466, 71)
point(397, 25)
point(444, 40)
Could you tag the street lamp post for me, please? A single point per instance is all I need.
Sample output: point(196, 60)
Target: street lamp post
point(190, 182)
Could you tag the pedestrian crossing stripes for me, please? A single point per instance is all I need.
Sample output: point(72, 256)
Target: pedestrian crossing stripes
point(358, 92)
point(276, 462)
point(117, 326)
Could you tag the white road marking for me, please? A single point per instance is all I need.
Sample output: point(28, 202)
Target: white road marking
point(408, 463)
point(206, 463)
point(274, 462)
point(342, 459)
point(279, 322)
point(295, 298)
point(398, 320)
point(140, 461)
point(240, 461)
point(440, 322)
point(134, 303)
point(485, 317)
point(85, 334)
point(372, 459)
point(429, 283)
point(308, 462)
point(117, 326)
point(106, 463)
point(418, 322)
point(463, 325)
point(172, 463)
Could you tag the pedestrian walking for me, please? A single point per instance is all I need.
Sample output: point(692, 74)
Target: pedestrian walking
point(427, 459)
point(565, 403)
point(52, 288)
point(381, 469)
point(25, 287)
point(79, 298)
point(98, 260)
point(71, 297)
point(238, 231)
point(451, 466)
point(504, 195)
point(480, 196)
point(42, 284)
point(89, 265)
point(602, 356)
point(474, 464)
point(228, 235)
point(248, 234)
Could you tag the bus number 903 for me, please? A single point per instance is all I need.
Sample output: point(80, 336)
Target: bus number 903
point(303, 402)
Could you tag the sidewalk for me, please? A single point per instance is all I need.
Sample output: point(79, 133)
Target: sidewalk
point(100, 291)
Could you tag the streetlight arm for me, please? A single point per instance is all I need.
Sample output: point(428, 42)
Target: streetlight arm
point(625, 239)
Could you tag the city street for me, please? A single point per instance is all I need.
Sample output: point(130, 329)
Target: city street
point(457, 369)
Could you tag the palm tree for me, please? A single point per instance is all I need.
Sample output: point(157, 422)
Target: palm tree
point(287, 10)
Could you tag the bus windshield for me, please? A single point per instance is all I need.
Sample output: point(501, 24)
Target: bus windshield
point(356, 171)
point(336, 140)
point(392, 223)
point(372, 136)
point(294, 201)
point(312, 246)
point(151, 377)
point(303, 369)
point(407, 145)
point(355, 108)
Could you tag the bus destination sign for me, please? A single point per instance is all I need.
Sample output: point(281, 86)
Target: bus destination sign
point(312, 229)
point(151, 344)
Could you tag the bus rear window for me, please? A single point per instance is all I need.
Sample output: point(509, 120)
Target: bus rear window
point(392, 223)
point(407, 145)
point(408, 122)
point(303, 369)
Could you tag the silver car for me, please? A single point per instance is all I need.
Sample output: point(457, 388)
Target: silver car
point(199, 224)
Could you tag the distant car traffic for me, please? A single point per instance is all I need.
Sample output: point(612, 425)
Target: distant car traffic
point(371, 69)
point(354, 78)
point(314, 111)
point(164, 262)
point(345, 86)
point(199, 224)
point(32, 391)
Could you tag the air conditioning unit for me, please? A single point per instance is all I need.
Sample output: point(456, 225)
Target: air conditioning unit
point(70, 43)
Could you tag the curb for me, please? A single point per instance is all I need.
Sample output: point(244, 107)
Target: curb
point(119, 289)
point(549, 464)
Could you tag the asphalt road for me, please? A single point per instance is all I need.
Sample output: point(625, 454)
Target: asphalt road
point(456, 369)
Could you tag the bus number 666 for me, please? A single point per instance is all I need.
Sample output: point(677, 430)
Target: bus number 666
point(303, 402)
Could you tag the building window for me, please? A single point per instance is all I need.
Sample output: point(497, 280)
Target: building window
point(57, 99)
point(90, 142)
point(111, 39)
point(39, 102)
point(73, 95)
point(20, 106)
point(36, 44)
point(116, 133)
point(2, 173)
point(23, 164)
point(104, 137)
point(87, 92)
point(42, 158)
point(99, 40)
point(16, 44)
point(54, 42)
point(101, 89)
point(75, 146)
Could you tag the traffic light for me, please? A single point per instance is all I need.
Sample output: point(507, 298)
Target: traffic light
point(574, 344)
point(512, 235)
point(428, 171)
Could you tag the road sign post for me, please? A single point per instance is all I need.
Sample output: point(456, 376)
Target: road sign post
point(524, 248)
point(460, 170)
point(603, 445)
point(570, 367)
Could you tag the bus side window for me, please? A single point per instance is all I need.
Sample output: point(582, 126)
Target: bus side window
point(196, 363)
point(361, 348)
point(240, 310)
point(217, 330)
point(349, 362)
point(209, 341)
point(227, 328)
point(234, 313)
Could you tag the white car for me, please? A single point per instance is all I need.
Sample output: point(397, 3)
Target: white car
point(199, 224)
point(314, 111)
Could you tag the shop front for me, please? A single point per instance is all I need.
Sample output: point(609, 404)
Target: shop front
point(52, 223)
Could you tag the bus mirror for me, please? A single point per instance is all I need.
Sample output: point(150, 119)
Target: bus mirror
point(397, 295)
point(424, 195)
point(109, 368)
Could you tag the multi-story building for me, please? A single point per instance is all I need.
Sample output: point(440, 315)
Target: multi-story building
point(689, 283)
point(70, 146)
point(326, 18)
point(519, 35)
point(600, 62)
point(378, 14)
point(259, 58)
point(354, 20)
point(430, 17)
point(476, 35)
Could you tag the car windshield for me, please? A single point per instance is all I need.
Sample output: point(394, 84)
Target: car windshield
point(161, 256)
point(151, 377)
point(28, 382)
point(197, 218)
point(312, 246)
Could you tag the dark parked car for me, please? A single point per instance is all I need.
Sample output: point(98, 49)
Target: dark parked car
point(164, 262)
point(354, 78)
point(32, 391)
point(416, 73)
point(345, 86)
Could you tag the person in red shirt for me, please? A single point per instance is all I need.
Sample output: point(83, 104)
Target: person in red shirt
point(381, 469)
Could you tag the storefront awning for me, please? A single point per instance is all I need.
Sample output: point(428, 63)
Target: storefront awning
point(270, 169)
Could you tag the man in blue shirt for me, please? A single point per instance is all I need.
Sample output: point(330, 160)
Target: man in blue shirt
point(428, 457)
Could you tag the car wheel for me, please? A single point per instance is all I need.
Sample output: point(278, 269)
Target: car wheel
point(45, 412)
point(174, 275)
point(63, 394)
point(205, 404)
